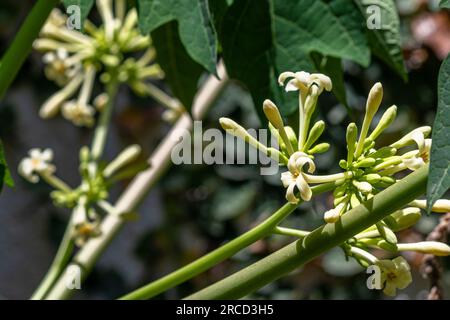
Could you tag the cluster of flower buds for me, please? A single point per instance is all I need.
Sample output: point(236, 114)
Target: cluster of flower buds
point(295, 151)
point(367, 169)
point(73, 59)
point(88, 200)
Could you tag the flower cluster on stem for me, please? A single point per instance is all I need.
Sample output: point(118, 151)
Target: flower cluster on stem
point(367, 169)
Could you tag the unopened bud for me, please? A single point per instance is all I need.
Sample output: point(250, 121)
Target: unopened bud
point(314, 134)
point(351, 136)
point(124, 158)
point(365, 163)
point(404, 218)
point(374, 100)
point(385, 121)
point(320, 148)
point(383, 152)
point(430, 247)
point(273, 114)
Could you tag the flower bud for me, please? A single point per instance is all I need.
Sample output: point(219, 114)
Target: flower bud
point(372, 178)
point(292, 137)
point(374, 100)
point(365, 163)
point(351, 136)
point(364, 187)
point(338, 200)
point(314, 134)
point(320, 148)
point(386, 233)
point(388, 180)
point(343, 164)
point(84, 154)
point(383, 152)
point(331, 216)
point(372, 105)
point(430, 247)
point(124, 158)
point(385, 121)
point(354, 201)
point(441, 205)
point(403, 219)
point(273, 114)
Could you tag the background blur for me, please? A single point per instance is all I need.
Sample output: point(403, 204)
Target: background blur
point(196, 208)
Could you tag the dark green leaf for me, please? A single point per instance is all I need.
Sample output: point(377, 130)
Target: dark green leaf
point(182, 73)
point(262, 38)
point(84, 5)
point(439, 176)
point(247, 44)
point(383, 32)
point(194, 26)
point(444, 4)
point(333, 68)
point(332, 28)
point(5, 175)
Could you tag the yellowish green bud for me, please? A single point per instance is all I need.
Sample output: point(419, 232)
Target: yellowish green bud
point(385, 121)
point(365, 163)
point(320, 148)
point(314, 134)
point(124, 158)
point(354, 201)
point(403, 219)
point(386, 233)
point(430, 247)
point(351, 136)
point(441, 205)
point(372, 105)
point(363, 186)
point(273, 114)
point(383, 152)
point(372, 178)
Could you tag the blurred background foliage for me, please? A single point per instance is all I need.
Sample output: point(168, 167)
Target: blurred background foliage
point(195, 208)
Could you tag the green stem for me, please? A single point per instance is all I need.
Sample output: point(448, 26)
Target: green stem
point(290, 232)
point(22, 43)
point(101, 131)
point(229, 249)
point(319, 241)
point(60, 261)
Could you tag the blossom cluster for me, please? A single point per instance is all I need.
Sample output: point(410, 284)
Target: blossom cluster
point(367, 169)
point(73, 60)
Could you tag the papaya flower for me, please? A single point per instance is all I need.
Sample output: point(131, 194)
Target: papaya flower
point(422, 155)
point(395, 274)
point(37, 163)
point(295, 177)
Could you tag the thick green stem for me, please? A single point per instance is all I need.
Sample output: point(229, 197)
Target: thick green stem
point(61, 259)
point(22, 43)
point(224, 252)
point(319, 241)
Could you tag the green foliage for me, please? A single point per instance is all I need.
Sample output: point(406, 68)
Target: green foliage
point(439, 176)
point(195, 27)
point(182, 73)
point(385, 42)
point(85, 7)
point(262, 38)
point(445, 4)
point(5, 175)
